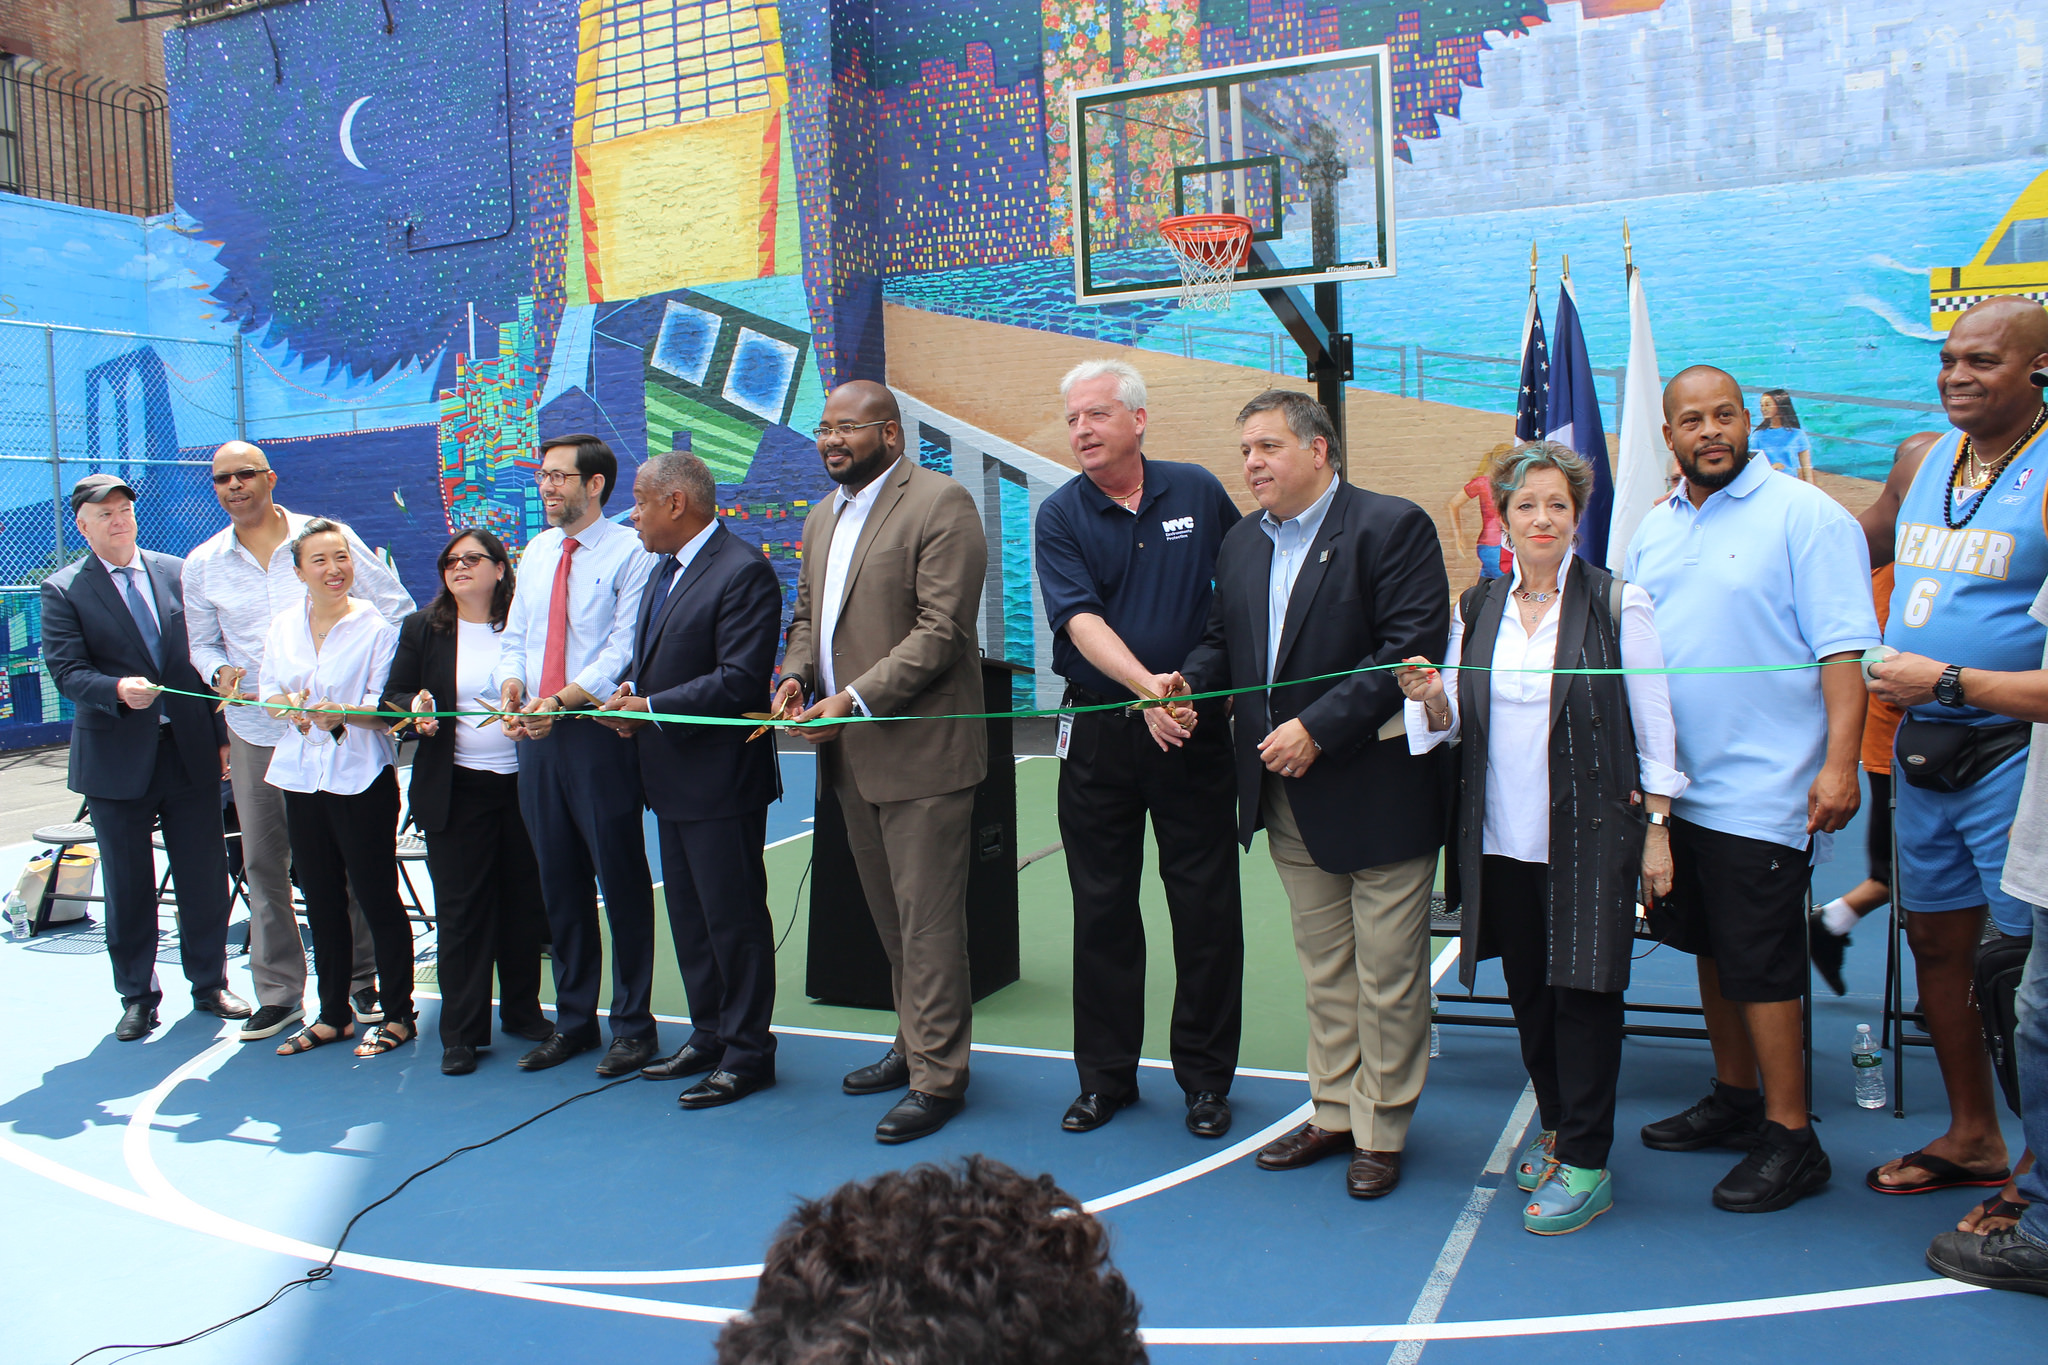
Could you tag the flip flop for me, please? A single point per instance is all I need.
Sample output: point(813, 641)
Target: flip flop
point(1998, 1206)
point(1946, 1176)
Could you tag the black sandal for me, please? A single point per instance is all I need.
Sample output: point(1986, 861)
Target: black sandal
point(1942, 1175)
point(305, 1040)
point(381, 1038)
point(1997, 1206)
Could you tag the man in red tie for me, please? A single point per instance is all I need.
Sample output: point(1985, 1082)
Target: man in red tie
point(570, 633)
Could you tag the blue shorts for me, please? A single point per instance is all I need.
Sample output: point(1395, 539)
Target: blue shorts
point(1951, 846)
point(1489, 561)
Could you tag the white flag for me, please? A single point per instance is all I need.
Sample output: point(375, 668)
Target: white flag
point(1639, 471)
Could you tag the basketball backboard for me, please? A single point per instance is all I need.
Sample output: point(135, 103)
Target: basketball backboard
point(1302, 146)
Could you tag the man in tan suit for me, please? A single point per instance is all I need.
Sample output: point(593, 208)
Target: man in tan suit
point(885, 626)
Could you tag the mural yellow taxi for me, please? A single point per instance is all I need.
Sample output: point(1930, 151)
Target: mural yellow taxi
point(2013, 260)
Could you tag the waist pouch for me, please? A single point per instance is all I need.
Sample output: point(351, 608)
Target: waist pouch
point(1948, 758)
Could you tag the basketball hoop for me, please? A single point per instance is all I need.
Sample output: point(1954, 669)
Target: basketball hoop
point(1211, 248)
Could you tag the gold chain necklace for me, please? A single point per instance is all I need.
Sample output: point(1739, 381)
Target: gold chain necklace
point(1979, 477)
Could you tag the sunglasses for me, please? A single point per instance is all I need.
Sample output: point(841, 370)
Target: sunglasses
point(467, 561)
point(238, 476)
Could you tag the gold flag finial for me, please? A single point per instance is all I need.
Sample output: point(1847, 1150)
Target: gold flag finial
point(1532, 263)
point(1628, 250)
point(1567, 265)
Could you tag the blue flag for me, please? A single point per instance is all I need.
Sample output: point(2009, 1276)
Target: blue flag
point(1532, 405)
point(1574, 420)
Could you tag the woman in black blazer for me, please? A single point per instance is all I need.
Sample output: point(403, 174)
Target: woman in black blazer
point(465, 799)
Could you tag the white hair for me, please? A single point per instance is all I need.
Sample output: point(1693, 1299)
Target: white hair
point(1130, 385)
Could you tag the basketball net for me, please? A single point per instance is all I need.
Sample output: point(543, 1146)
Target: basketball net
point(1211, 248)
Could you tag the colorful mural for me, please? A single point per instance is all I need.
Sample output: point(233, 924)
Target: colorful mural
point(412, 240)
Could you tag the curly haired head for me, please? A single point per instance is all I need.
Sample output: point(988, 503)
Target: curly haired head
point(937, 1266)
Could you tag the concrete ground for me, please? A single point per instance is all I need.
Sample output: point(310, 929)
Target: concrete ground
point(32, 791)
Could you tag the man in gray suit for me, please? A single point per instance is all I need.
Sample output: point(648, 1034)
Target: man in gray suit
point(885, 626)
point(113, 638)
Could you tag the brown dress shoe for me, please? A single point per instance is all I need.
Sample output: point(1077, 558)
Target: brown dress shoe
point(1373, 1174)
point(1304, 1146)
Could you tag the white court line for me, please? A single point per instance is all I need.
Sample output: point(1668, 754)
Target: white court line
point(788, 839)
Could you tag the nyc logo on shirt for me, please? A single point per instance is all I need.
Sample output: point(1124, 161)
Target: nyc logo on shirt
point(1178, 528)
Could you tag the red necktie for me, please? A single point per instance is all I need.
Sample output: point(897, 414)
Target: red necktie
point(554, 670)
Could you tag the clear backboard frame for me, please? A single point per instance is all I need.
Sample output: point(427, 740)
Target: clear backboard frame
point(1215, 143)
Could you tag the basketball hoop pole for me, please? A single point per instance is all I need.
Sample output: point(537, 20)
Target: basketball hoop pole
point(1317, 329)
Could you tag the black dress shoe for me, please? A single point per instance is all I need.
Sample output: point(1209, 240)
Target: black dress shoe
point(559, 1048)
point(686, 1061)
point(917, 1115)
point(1783, 1167)
point(458, 1061)
point(222, 1004)
point(626, 1055)
point(2000, 1260)
point(1722, 1119)
point(721, 1087)
point(538, 1032)
point(1208, 1114)
point(1826, 948)
point(136, 1022)
point(891, 1073)
point(1094, 1109)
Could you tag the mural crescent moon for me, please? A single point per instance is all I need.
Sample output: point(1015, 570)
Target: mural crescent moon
point(348, 145)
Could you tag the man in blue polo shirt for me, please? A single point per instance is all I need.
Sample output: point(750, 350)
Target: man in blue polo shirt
point(1750, 566)
point(1127, 563)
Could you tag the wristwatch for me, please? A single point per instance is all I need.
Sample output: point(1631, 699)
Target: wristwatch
point(1659, 818)
point(1948, 689)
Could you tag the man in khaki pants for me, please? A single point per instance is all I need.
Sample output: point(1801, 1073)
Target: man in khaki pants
point(885, 626)
point(1332, 578)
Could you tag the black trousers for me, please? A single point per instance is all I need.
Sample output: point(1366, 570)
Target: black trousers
point(716, 886)
point(488, 908)
point(342, 843)
point(1112, 778)
point(1571, 1039)
point(189, 811)
point(579, 790)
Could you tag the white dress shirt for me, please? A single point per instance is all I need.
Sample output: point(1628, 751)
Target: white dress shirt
point(231, 601)
point(142, 588)
point(606, 579)
point(1518, 724)
point(350, 667)
point(853, 515)
point(483, 747)
point(1291, 541)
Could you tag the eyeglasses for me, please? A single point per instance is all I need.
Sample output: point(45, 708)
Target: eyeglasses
point(467, 561)
point(822, 431)
point(555, 478)
point(238, 476)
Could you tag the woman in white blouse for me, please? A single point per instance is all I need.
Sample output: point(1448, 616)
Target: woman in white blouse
point(464, 792)
point(324, 670)
point(1567, 781)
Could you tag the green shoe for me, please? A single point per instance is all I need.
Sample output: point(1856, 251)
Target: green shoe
point(1541, 1151)
point(1566, 1199)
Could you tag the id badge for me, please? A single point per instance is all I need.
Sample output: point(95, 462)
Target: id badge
point(1066, 736)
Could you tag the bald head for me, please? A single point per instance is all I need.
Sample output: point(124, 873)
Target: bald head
point(240, 450)
point(1701, 381)
point(873, 401)
point(1986, 361)
point(243, 480)
point(863, 429)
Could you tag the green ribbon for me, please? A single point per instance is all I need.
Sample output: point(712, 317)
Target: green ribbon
point(1666, 671)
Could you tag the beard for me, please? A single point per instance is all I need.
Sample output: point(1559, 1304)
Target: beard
point(860, 470)
point(1712, 482)
point(574, 505)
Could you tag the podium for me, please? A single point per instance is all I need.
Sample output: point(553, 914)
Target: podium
point(845, 964)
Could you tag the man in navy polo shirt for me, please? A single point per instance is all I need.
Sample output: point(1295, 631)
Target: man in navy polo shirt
point(1127, 563)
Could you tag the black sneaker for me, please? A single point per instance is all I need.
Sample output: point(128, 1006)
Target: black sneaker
point(1781, 1169)
point(1998, 1260)
point(1715, 1121)
point(269, 1020)
point(1826, 948)
point(366, 1006)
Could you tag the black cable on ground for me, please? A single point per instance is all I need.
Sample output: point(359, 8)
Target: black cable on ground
point(796, 905)
point(326, 1268)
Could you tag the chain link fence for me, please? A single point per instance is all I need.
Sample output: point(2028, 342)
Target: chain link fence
point(73, 402)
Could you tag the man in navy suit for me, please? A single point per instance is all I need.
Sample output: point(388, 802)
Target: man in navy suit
point(113, 638)
point(709, 624)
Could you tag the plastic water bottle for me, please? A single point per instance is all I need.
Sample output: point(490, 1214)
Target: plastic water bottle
point(1434, 1046)
point(20, 918)
point(1869, 1069)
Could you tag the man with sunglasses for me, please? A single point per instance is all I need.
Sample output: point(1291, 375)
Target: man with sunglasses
point(886, 625)
point(236, 583)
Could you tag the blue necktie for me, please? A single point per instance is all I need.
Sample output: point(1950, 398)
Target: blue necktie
point(661, 589)
point(139, 609)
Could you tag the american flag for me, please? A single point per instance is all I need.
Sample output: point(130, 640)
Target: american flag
point(1532, 405)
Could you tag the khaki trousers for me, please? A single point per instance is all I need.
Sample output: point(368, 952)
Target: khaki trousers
point(1363, 940)
point(912, 857)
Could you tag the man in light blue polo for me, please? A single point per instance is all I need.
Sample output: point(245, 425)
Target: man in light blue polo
point(1750, 566)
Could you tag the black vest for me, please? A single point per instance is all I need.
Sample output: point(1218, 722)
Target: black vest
point(1597, 818)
